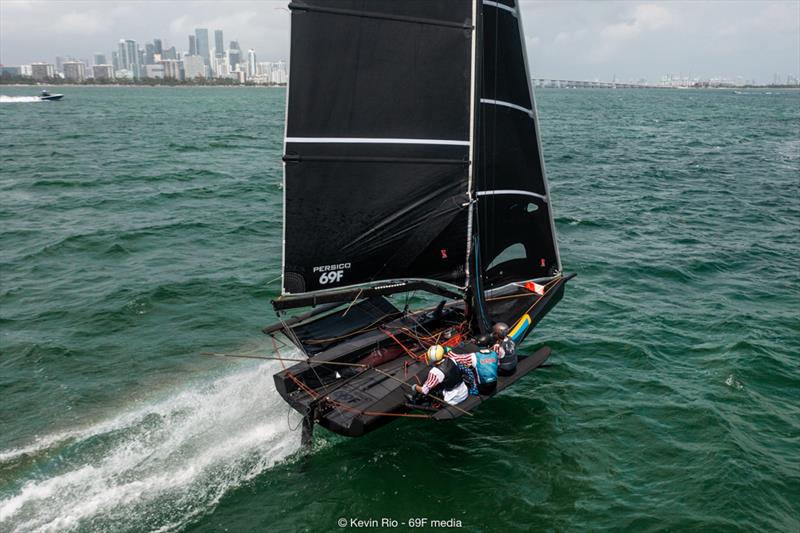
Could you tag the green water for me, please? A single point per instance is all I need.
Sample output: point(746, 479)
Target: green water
point(139, 227)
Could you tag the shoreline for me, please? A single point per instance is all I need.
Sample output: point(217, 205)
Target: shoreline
point(143, 86)
point(241, 86)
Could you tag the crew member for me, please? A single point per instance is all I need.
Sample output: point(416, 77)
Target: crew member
point(505, 348)
point(483, 364)
point(444, 377)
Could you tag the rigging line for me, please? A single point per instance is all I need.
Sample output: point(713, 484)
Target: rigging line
point(354, 301)
point(299, 344)
point(366, 328)
point(414, 318)
point(445, 405)
point(375, 413)
point(314, 363)
point(403, 346)
point(310, 362)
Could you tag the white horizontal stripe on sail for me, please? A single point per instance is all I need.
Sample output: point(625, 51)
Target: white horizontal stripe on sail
point(371, 140)
point(525, 110)
point(512, 191)
point(500, 6)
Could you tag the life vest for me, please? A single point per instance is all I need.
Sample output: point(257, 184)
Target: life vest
point(486, 365)
point(452, 375)
point(509, 361)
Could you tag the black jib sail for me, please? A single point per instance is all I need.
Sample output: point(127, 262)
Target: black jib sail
point(514, 218)
point(378, 144)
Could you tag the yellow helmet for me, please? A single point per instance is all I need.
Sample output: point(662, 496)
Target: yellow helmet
point(435, 354)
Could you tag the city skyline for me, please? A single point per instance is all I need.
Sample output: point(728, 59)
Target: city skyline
point(134, 61)
point(751, 41)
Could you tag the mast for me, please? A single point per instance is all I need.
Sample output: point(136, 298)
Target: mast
point(477, 315)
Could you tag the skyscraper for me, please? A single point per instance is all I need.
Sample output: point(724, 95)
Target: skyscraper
point(149, 54)
point(42, 71)
point(251, 63)
point(194, 67)
point(74, 71)
point(115, 61)
point(103, 72)
point(203, 49)
point(192, 46)
point(234, 54)
point(158, 46)
point(219, 45)
point(99, 59)
point(128, 58)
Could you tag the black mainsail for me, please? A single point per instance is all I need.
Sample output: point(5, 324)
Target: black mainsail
point(412, 160)
point(378, 144)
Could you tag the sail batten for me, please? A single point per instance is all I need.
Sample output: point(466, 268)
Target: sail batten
point(364, 140)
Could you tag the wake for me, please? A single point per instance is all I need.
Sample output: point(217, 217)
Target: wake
point(156, 467)
point(19, 99)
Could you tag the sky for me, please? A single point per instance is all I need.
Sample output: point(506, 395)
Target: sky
point(566, 39)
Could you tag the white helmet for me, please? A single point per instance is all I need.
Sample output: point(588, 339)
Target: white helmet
point(435, 354)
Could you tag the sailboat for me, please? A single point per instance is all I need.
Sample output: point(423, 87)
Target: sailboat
point(412, 166)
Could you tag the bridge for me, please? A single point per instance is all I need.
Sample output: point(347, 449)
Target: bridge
point(546, 83)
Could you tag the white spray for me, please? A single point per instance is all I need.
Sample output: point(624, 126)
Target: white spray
point(158, 466)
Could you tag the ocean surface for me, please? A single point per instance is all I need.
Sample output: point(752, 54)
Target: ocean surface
point(140, 227)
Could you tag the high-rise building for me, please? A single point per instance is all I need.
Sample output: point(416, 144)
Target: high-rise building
point(99, 59)
point(158, 46)
point(203, 48)
point(129, 56)
point(9, 72)
point(149, 54)
point(172, 69)
point(251, 63)
point(279, 74)
point(103, 72)
point(192, 45)
point(115, 60)
point(60, 64)
point(234, 55)
point(155, 72)
point(194, 67)
point(74, 71)
point(219, 46)
point(42, 71)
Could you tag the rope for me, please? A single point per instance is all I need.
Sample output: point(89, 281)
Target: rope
point(354, 301)
point(311, 392)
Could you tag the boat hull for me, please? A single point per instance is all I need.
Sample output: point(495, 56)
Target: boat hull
point(355, 400)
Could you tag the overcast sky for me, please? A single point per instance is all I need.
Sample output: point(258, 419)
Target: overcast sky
point(566, 39)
